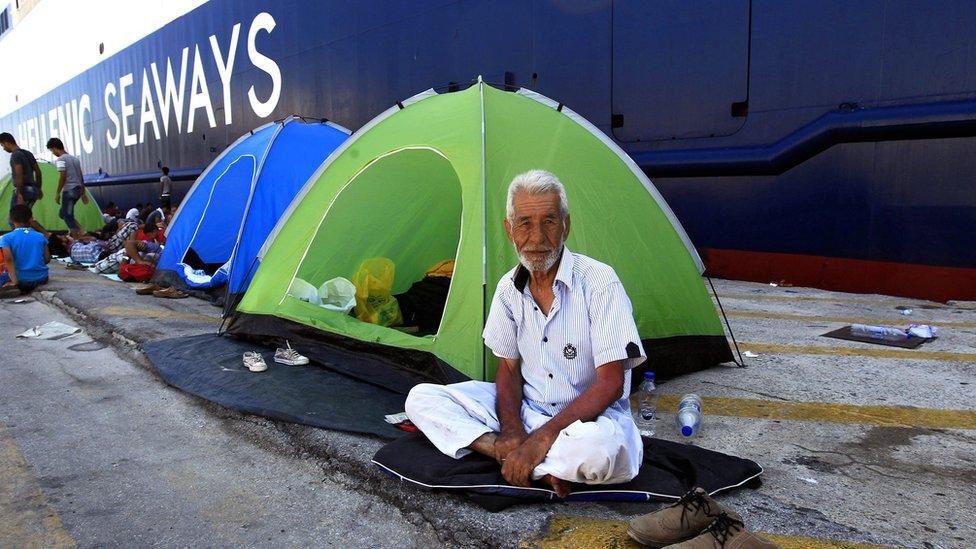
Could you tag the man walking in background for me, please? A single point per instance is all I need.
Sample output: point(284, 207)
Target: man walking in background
point(71, 184)
point(26, 176)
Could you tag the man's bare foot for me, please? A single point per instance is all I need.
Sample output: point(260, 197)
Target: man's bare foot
point(560, 486)
point(485, 444)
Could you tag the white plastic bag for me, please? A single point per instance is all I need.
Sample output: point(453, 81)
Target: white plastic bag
point(338, 294)
point(304, 291)
point(922, 330)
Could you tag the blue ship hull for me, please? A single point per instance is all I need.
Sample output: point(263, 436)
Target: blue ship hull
point(824, 143)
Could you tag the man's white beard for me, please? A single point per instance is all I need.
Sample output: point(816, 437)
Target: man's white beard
point(543, 265)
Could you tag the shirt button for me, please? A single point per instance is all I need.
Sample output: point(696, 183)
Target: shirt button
point(550, 376)
point(536, 308)
point(545, 339)
point(553, 405)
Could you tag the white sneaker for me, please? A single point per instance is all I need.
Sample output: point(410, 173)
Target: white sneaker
point(289, 356)
point(254, 361)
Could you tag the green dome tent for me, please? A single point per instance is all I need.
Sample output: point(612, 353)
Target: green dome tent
point(426, 181)
point(89, 216)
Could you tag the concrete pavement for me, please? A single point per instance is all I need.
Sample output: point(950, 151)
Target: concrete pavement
point(97, 453)
point(861, 444)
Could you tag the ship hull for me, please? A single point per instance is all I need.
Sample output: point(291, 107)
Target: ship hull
point(817, 143)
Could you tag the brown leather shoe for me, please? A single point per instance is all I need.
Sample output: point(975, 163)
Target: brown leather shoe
point(170, 293)
point(148, 289)
point(679, 522)
point(726, 532)
point(8, 292)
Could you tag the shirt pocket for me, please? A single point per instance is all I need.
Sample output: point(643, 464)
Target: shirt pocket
point(575, 351)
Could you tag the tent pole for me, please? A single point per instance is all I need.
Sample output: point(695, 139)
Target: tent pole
point(220, 330)
point(741, 363)
point(484, 225)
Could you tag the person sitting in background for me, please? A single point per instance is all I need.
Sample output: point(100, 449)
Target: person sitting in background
point(157, 218)
point(58, 245)
point(25, 254)
point(133, 213)
point(110, 212)
point(86, 248)
point(161, 218)
point(118, 233)
point(143, 247)
point(144, 213)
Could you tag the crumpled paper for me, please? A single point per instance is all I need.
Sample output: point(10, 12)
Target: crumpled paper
point(51, 330)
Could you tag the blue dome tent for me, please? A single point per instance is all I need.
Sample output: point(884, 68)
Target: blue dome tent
point(213, 240)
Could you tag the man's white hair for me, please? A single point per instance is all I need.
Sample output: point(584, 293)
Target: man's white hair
point(536, 182)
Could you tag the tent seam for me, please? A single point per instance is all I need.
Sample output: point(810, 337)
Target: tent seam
point(250, 195)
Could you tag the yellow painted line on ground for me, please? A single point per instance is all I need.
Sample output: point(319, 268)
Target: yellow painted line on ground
point(848, 319)
point(803, 542)
point(799, 297)
point(827, 412)
point(26, 518)
point(156, 313)
point(572, 532)
point(904, 354)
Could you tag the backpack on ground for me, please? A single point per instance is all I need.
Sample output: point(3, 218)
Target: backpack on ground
point(136, 272)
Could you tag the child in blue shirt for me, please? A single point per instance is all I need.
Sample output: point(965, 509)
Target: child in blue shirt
point(25, 254)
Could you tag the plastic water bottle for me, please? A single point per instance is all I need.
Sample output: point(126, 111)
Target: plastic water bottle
point(878, 332)
point(689, 415)
point(646, 415)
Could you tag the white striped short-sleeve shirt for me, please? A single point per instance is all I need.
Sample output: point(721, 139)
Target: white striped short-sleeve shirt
point(590, 323)
point(71, 166)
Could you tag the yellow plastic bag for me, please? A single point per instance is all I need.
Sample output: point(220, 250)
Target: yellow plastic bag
point(374, 298)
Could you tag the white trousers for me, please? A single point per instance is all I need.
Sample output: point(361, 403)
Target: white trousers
point(605, 451)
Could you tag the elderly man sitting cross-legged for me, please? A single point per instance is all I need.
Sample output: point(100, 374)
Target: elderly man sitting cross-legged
point(562, 328)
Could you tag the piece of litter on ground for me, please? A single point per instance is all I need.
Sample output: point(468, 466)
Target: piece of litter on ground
point(808, 480)
point(51, 330)
point(773, 284)
point(114, 277)
point(750, 354)
point(23, 300)
point(922, 330)
point(904, 310)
